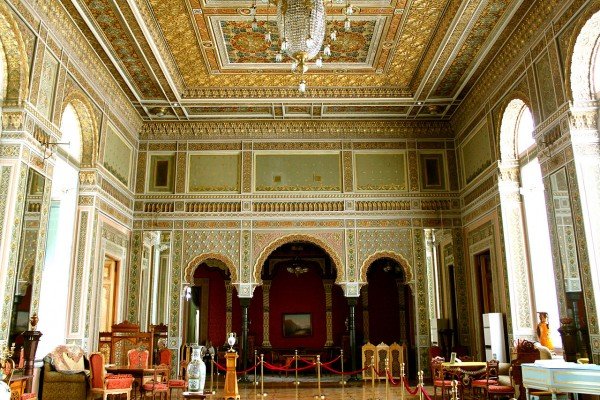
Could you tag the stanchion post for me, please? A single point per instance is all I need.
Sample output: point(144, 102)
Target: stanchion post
point(387, 370)
point(255, 366)
point(296, 382)
point(262, 376)
point(420, 385)
point(454, 390)
point(343, 381)
point(373, 372)
point(319, 395)
point(402, 381)
point(212, 363)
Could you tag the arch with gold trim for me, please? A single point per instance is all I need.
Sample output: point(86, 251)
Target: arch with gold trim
point(297, 238)
point(88, 123)
point(188, 275)
point(403, 262)
point(15, 57)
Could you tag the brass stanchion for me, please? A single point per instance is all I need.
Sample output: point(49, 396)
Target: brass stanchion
point(296, 382)
point(402, 381)
point(319, 394)
point(262, 376)
point(454, 393)
point(212, 365)
point(387, 370)
point(255, 365)
point(420, 385)
point(373, 374)
point(343, 381)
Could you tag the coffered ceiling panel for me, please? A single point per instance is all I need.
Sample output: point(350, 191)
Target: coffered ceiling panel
point(201, 59)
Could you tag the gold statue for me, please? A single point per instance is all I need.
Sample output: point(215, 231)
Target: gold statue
point(543, 331)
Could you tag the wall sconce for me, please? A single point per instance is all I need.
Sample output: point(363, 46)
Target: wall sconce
point(52, 146)
point(187, 293)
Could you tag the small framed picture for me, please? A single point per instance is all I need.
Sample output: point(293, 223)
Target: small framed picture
point(297, 325)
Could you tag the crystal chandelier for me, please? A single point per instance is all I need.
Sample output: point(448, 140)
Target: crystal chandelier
point(302, 25)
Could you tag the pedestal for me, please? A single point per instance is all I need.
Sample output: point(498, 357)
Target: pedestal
point(231, 385)
point(30, 346)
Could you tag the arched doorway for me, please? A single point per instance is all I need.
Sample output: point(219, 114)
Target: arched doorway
point(387, 307)
point(300, 306)
point(208, 313)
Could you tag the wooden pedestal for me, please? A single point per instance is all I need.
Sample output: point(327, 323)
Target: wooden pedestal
point(231, 386)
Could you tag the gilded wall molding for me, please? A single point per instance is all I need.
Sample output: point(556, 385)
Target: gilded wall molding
point(301, 129)
point(190, 268)
point(399, 258)
point(15, 88)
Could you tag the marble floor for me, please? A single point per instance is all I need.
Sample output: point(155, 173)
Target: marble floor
point(307, 389)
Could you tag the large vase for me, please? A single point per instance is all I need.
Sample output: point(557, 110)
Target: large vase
point(196, 371)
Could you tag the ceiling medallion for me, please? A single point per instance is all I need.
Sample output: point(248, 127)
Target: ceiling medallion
point(301, 25)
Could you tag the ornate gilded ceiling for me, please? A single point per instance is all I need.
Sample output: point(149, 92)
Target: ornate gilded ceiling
point(200, 59)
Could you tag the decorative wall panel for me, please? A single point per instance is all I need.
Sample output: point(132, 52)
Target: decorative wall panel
point(214, 173)
point(225, 242)
point(546, 86)
point(380, 171)
point(371, 241)
point(47, 84)
point(161, 173)
point(476, 154)
point(117, 155)
point(298, 172)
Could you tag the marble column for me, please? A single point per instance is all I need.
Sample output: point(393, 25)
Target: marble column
point(245, 303)
point(515, 251)
point(352, 302)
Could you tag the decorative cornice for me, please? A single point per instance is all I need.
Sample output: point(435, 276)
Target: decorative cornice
point(297, 129)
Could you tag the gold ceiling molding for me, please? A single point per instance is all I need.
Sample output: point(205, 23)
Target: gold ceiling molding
point(287, 91)
point(298, 129)
point(503, 61)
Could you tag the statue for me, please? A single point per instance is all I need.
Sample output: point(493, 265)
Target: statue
point(543, 331)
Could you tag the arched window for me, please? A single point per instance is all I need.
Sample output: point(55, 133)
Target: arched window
point(518, 148)
point(71, 130)
point(61, 231)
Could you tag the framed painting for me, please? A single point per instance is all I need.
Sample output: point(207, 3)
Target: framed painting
point(297, 325)
point(432, 171)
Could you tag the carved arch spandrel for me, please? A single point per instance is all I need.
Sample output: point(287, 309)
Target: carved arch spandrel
point(580, 54)
point(89, 126)
point(337, 263)
point(406, 267)
point(188, 274)
point(17, 63)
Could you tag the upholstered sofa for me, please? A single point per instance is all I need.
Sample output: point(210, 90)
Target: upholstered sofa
point(65, 374)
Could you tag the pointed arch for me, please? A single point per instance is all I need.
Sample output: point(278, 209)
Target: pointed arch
point(399, 258)
point(583, 49)
point(15, 57)
point(339, 267)
point(88, 123)
point(191, 266)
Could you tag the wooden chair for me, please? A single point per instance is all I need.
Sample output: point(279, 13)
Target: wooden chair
point(383, 353)
point(138, 358)
point(397, 357)
point(492, 387)
point(7, 366)
point(440, 380)
point(478, 385)
point(106, 384)
point(368, 353)
point(164, 359)
point(158, 385)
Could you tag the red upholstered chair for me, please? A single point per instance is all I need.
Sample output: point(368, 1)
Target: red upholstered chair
point(7, 366)
point(164, 358)
point(138, 358)
point(440, 380)
point(107, 384)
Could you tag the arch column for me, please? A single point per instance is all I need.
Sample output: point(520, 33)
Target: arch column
point(228, 308)
point(585, 140)
point(265, 293)
point(515, 251)
point(365, 305)
point(328, 313)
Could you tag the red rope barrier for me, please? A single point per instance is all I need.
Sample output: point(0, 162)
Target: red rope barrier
point(391, 379)
point(358, 371)
point(283, 369)
point(222, 368)
point(407, 387)
point(427, 396)
point(332, 361)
